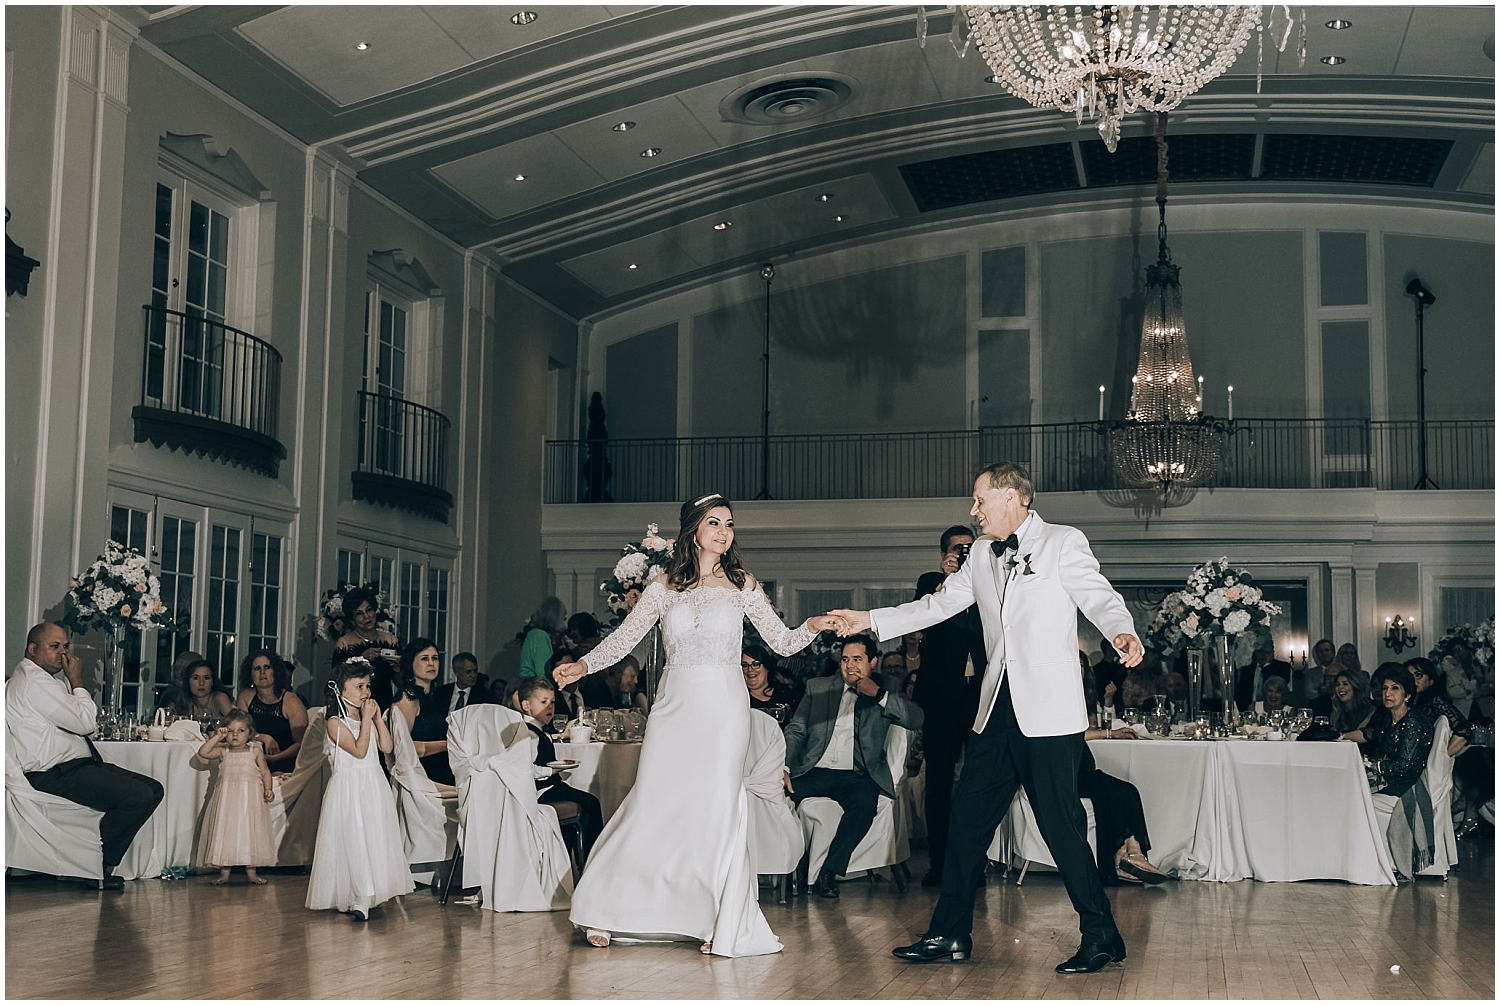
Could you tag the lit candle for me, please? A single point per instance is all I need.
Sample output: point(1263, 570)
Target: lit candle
point(1101, 402)
point(1231, 402)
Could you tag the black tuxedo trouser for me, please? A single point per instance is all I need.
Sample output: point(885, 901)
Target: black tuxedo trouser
point(590, 816)
point(943, 740)
point(127, 799)
point(998, 761)
point(856, 795)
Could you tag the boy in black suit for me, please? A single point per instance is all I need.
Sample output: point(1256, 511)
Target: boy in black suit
point(538, 699)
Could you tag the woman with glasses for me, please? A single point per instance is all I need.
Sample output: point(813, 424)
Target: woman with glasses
point(766, 693)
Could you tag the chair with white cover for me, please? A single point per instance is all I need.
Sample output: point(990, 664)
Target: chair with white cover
point(1018, 840)
point(1438, 776)
point(775, 836)
point(886, 843)
point(46, 833)
point(510, 846)
point(297, 801)
point(426, 810)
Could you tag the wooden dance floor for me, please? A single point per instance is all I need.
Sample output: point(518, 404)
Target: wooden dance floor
point(1186, 940)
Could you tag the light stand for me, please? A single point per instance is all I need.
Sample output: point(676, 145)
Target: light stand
point(1425, 299)
point(767, 273)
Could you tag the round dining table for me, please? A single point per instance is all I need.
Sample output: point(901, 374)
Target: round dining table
point(166, 841)
point(605, 768)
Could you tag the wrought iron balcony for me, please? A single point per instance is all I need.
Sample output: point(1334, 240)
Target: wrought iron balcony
point(403, 456)
point(209, 389)
point(1063, 457)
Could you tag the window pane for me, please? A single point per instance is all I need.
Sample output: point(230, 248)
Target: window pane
point(437, 607)
point(219, 247)
point(409, 601)
point(351, 565)
point(161, 264)
point(265, 591)
point(177, 570)
point(198, 228)
point(221, 622)
point(217, 277)
point(163, 211)
point(197, 280)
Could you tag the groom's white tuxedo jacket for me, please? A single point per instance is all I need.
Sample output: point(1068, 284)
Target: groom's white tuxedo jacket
point(1033, 636)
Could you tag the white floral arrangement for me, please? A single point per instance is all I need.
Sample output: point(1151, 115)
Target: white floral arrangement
point(117, 591)
point(1478, 677)
point(637, 566)
point(1218, 601)
point(333, 623)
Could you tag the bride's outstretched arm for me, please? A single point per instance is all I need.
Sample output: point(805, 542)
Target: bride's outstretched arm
point(786, 641)
point(618, 643)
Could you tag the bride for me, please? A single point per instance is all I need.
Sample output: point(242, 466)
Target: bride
point(672, 863)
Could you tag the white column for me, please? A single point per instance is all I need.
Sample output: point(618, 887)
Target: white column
point(472, 447)
point(79, 280)
point(1342, 602)
point(1371, 649)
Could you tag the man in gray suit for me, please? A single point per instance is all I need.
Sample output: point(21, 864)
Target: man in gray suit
point(835, 747)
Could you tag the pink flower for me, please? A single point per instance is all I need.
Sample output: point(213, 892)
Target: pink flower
point(1192, 620)
point(125, 611)
point(1233, 593)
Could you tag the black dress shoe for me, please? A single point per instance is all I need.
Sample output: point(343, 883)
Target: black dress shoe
point(932, 948)
point(934, 877)
point(828, 885)
point(1093, 957)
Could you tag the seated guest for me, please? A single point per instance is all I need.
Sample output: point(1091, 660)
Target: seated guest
point(835, 747)
point(615, 687)
point(465, 688)
point(1317, 681)
point(771, 698)
point(1250, 681)
point(1177, 691)
point(1119, 818)
point(1381, 720)
point(1352, 709)
point(48, 717)
point(198, 695)
point(364, 639)
point(426, 714)
point(280, 716)
point(1277, 692)
point(1474, 773)
point(1399, 756)
point(569, 701)
point(893, 664)
point(1347, 657)
point(582, 632)
point(535, 696)
point(1109, 680)
point(499, 688)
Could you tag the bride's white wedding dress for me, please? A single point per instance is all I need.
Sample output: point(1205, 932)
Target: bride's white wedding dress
point(673, 861)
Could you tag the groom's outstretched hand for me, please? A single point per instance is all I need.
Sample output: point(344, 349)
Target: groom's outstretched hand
point(1129, 648)
point(851, 622)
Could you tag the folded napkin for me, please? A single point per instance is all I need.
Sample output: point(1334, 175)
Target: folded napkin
point(184, 729)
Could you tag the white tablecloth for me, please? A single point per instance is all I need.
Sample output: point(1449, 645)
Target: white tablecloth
point(605, 769)
point(167, 838)
point(1241, 809)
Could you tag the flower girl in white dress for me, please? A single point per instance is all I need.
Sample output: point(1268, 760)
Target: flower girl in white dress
point(359, 860)
point(237, 824)
point(673, 860)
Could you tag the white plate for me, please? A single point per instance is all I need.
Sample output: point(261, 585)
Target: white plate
point(558, 765)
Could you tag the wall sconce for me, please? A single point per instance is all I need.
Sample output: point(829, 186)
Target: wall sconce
point(1397, 637)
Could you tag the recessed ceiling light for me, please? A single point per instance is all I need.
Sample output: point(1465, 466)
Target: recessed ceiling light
point(523, 17)
point(520, 177)
point(1338, 24)
point(623, 127)
point(825, 197)
point(723, 225)
point(362, 46)
point(1333, 60)
point(632, 265)
point(651, 151)
point(838, 219)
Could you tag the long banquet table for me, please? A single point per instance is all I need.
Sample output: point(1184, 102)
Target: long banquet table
point(167, 838)
point(1228, 810)
point(605, 769)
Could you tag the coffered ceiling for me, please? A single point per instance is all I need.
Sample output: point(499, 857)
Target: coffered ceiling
point(512, 137)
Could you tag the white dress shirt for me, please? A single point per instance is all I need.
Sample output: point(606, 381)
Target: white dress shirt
point(45, 719)
point(459, 692)
point(840, 753)
point(538, 771)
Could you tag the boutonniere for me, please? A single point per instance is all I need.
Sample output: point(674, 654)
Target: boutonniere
point(1023, 562)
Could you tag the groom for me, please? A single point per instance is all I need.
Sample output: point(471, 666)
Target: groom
point(1029, 578)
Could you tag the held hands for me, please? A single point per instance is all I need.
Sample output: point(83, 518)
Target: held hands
point(1129, 648)
point(824, 623)
point(567, 673)
point(850, 622)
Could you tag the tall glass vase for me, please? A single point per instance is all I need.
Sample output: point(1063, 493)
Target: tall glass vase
point(113, 678)
point(1226, 673)
point(1195, 683)
point(653, 667)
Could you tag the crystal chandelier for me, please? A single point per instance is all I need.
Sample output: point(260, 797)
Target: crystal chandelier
point(1112, 60)
point(1165, 441)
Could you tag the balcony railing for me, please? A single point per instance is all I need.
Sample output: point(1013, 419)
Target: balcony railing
point(209, 389)
point(403, 456)
point(1063, 457)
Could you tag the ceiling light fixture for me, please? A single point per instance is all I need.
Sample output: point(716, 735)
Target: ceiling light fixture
point(1333, 60)
point(825, 197)
point(520, 177)
point(523, 17)
point(623, 127)
point(632, 265)
point(1111, 60)
point(838, 219)
point(723, 225)
point(1338, 24)
point(651, 152)
point(362, 46)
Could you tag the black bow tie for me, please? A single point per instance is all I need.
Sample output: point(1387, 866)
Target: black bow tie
point(998, 547)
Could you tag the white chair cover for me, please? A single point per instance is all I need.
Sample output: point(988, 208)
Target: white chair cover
point(1018, 840)
point(886, 842)
point(914, 804)
point(775, 835)
point(1439, 778)
point(429, 823)
point(46, 833)
point(513, 848)
point(298, 798)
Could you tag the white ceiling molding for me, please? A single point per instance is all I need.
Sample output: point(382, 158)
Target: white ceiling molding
point(406, 269)
point(222, 163)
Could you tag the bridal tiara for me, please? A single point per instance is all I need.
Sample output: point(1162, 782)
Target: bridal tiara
point(711, 495)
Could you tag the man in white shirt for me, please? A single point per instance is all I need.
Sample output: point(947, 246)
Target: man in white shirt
point(48, 716)
point(835, 747)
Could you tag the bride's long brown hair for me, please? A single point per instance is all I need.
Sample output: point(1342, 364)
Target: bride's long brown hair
point(682, 574)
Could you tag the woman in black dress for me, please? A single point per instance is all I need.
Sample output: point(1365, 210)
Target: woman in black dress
point(426, 715)
point(365, 640)
point(265, 692)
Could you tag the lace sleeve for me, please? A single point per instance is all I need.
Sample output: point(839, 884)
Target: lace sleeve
point(618, 643)
point(786, 641)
